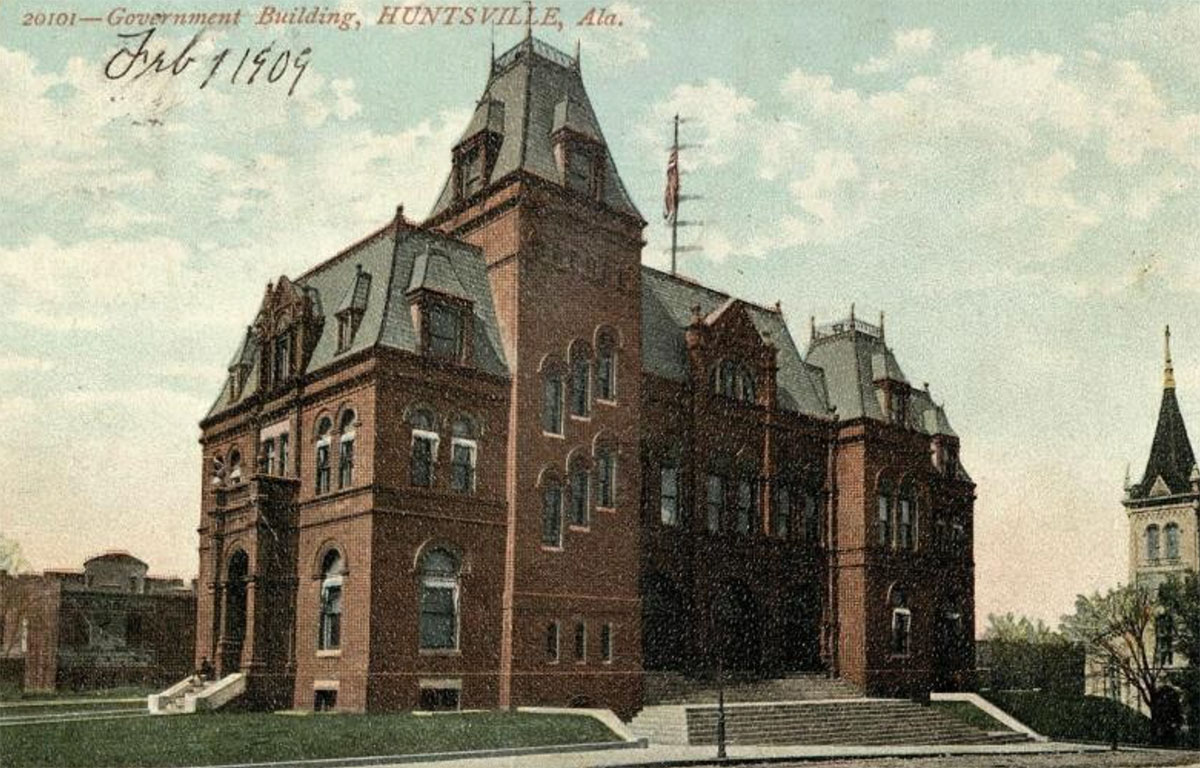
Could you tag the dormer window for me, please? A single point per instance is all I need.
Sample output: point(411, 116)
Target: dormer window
point(281, 358)
point(445, 331)
point(729, 379)
point(471, 168)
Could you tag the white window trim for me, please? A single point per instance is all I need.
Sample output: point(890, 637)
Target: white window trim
point(580, 659)
point(906, 612)
point(275, 430)
point(473, 447)
point(327, 582)
point(612, 485)
point(442, 582)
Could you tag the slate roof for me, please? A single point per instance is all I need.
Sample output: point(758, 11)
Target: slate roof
point(667, 302)
point(1171, 455)
point(374, 276)
point(532, 89)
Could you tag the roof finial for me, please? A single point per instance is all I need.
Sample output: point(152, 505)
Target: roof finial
point(493, 62)
point(529, 21)
point(812, 327)
point(1169, 369)
point(578, 53)
point(852, 313)
point(881, 325)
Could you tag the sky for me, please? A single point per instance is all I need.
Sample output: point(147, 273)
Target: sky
point(1015, 184)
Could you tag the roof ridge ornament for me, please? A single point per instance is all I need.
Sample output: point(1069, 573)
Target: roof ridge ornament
point(1168, 368)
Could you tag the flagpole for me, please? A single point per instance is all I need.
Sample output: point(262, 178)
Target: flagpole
point(675, 217)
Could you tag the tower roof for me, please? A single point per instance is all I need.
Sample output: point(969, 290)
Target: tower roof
point(534, 90)
point(1171, 455)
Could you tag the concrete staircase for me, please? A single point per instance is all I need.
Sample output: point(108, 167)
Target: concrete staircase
point(673, 688)
point(193, 694)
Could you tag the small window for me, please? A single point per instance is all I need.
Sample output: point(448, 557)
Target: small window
point(727, 378)
point(715, 503)
point(439, 600)
point(1152, 544)
point(445, 331)
point(747, 392)
point(745, 506)
point(884, 519)
point(471, 170)
point(581, 376)
point(439, 699)
point(266, 462)
point(283, 454)
point(281, 363)
point(606, 643)
point(580, 642)
point(606, 479)
point(235, 466)
point(346, 450)
point(552, 642)
point(579, 495)
point(463, 450)
point(324, 427)
point(812, 519)
point(606, 368)
point(781, 520)
point(332, 570)
point(552, 404)
point(901, 631)
point(324, 700)
point(424, 448)
point(1164, 640)
point(552, 515)
point(669, 494)
point(1171, 534)
point(905, 529)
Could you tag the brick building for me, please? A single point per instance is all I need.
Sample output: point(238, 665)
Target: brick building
point(493, 460)
point(107, 625)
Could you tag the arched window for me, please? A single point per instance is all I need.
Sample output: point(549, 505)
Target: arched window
point(552, 513)
point(746, 493)
point(727, 378)
point(580, 487)
point(235, 466)
point(1152, 551)
point(901, 623)
point(581, 378)
point(606, 367)
point(714, 505)
point(439, 600)
point(606, 643)
point(747, 392)
point(1171, 534)
point(324, 427)
point(424, 447)
point(552, 642)
point(906, 513)
point(781, 517)
point(884, 516)
point(1164, 640)
point(580, 642)
point(218, 470)
point(330, 632)
point(463, 451)
point(552, 402)
point(606, 477)
point(346, 449)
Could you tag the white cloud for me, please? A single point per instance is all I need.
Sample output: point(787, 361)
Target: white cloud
point(611, 48)
point(715, 119)
point(907, 45)
point(25, 363)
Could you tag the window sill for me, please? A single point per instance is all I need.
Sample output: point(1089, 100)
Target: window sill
point(579, 528)
point(556, 435)
point(609, 403)
point(581, 417)
point(551, 548)
point(610, 510)
point(439, 652)
point(329, 653)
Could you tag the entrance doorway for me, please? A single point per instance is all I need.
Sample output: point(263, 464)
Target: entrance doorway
point(236, 576)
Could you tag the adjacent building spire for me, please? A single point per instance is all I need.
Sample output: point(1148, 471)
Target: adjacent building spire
point(1168, 368)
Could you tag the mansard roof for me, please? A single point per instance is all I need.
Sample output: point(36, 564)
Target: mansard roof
point(667, 302)
point(373, 276)
point(856, 360)
point(533, 90)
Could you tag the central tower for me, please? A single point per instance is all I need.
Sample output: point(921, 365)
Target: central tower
point(534, 185)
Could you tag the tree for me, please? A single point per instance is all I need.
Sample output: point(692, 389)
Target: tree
point(15, 598)
point(11, 560)
point(1118, 629)
point(1180, 599)
point(1010, 629)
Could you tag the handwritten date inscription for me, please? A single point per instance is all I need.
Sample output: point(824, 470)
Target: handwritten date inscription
point(138, 58)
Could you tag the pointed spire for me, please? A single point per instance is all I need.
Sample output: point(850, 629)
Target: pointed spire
point(881, 325)
point(529, 21)
point(1168, 368)
point(578, 53)
point(852, 313)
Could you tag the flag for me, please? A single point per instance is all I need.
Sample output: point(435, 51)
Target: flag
point(671, 196)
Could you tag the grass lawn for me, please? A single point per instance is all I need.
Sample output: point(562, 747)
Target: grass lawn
point(969, 714)
point(1066, 718)
point(227, 738)
point(8, 694)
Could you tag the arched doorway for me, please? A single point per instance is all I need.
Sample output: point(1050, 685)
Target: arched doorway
point(664, 627)
point(739, 628)
point(237, 573)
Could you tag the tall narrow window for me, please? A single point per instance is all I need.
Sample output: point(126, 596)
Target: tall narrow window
point(905, 532)
point(747, 392)
point(266, 463)
point(745, 506)
point(579, 494)
point(606, 479)
point(324, 427)
point(781, 517)
point(884, 518)
point(462, 456)
point(552, 642)
point(812, 519)
point(346, 450)
point(580, 642)
point(581, 376)
point(669, 493)
point(901, 624)
point(281, 362)
point(552, 404)
point(1164, 640)
point(445, 331)
point(439, 600)
point(606, 368)
point(727, 381)
point(606, 643)
point(1152, 550)
point(714, 505)
point(424, 448)
point(235, 466)
point(552, 514)
point(283, 454)
point(332, 570)
point(1171, 534)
